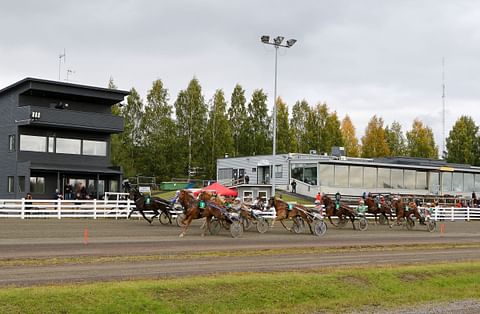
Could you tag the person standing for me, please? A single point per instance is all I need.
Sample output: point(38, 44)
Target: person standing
point(294, 186)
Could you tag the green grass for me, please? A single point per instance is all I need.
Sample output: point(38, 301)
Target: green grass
point(289, 198)
point(330, 290)
point(168, 195)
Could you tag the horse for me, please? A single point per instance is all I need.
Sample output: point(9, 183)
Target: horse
point(374, 209)
point(331, 209)
point(285, 211)
point(402, 212)
point(146, 203)
point(194, 209)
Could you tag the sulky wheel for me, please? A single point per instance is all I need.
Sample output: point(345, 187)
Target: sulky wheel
point(236, 229)
point(362, 223)
point(165, 218)
point(246, 223)
point(319, 227)
point(383, 220)
point(342, 221)
point(431, 226)
point(298, 225)
point(215, 226)
point(180, 219)
point(262, 225)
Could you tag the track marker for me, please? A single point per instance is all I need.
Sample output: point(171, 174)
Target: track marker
point(85, 236)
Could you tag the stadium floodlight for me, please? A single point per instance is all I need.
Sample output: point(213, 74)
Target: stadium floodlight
point(265, 39)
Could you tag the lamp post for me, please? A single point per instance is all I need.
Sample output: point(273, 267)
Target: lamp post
point(277, 43)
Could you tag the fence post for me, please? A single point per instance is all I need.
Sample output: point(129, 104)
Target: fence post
point(453, 213)
point(95, 208)
point(59, 208)
point(435, 215)
point(468, 213)
point(22, 212)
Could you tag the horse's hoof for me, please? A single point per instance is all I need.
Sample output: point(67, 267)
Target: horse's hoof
point(181, 235)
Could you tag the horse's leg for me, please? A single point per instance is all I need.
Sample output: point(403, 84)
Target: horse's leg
point(281, 221)
point(375, 214)
point(309, 225)
point(130, 213)
point(330, 219)
point(145, 217)
point(188, 221)
point(352, 219)
point(156, 213)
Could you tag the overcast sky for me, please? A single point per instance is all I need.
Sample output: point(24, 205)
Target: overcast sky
point(360, 57)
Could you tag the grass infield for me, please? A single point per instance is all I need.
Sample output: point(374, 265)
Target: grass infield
point(335, 290)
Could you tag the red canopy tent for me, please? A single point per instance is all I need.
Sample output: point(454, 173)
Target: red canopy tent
point(219, 189)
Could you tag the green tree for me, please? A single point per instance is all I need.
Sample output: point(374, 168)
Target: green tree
point(420, 141)
point(219, 138)
point(350, 140)
point(258, 124)
point(284, 136)
point(298, 123)
point(191, 113)
point(332, 132)
point(463, 144)
point(237, 115)
point(158, 140)
point(374, 142)
point(396, 140)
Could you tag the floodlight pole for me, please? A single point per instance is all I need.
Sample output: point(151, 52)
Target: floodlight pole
point(277, 43)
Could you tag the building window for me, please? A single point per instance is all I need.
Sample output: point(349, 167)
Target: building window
point(477, 183)
point(113, 186)
point(326, 175)
point(11, 143)
point(355, 177)
point(468, 183)
point(32, 143)
point(278, 171)
point(225, 174)
point(21, 184)
point(409, 179)
point(94, 148)
point(37, 185)
point(262, 195)
point(370, 177)
point(384, 178)
point(68, 146)
point(341, 176)
point(446, 181)
point(457, 182)
point(397, 178)
point(434, 182)
point(10, 185)
point(254, 170)
point(421, 182)
point(51, 145)
point(247, 196)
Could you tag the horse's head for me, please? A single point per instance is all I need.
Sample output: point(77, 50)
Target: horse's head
point(271, 202)
point(325, 200)
point(185, 198)
point(370, 202)
point(205, 195)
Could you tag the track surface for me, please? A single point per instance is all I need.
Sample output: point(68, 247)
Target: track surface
point(47, 238)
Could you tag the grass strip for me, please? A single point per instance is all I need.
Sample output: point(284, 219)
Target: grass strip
point(332, 291)
point(233, 253)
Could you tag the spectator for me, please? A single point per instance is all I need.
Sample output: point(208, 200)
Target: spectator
point(247, 179)
point(318, 197)
point(294, 186)
point(28, 204)
point(474, 200)
point(57, 195)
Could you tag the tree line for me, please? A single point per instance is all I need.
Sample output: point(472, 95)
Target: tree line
point(185, 137)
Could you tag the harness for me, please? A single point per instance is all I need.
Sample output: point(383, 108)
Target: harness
point(147, 200)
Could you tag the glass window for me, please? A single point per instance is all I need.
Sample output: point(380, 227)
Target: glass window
point(224, 173)
point(254, 170)
point(37, 185)
point(310, 174)
point(33, 143)
point(341, 176)
point(263, 195)
point(297, 172)
point(326, 175)
point(68, 146)
point(370, 177)
point(397, 178)
point(434, 182)
point(477, 182)
point(94, 148)
point(278, 171)
point(21, 184)
point(356, 177)
point(409, 179)
point(384, 178)
point(51, 145)
point(468, 182)
point(101, 187)
point(421, 183)
point(248, 196)
point(10, 185)
point(11, 143)
point(446, 181)
point(113, 186)
point(457, 182)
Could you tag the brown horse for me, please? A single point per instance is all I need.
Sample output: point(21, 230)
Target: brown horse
point(286, 211)
point(195, 209)
point(405, 212)
point(374, 209)
point(342, 211)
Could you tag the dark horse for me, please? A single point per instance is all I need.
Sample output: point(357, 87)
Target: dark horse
point(406, 212)
point(341, 211)
point(286, 211)
point(146, 203)
point(194, 209)
point(374, 209)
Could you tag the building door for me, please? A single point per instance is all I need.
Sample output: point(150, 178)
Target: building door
point(241, 173)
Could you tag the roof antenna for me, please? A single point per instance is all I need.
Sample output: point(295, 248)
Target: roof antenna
point(60, 56)
point(444, 149)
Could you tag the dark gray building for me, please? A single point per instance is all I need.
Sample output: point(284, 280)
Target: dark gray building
point(56, 134)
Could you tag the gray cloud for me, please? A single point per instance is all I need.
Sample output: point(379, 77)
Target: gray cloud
point(360, 57)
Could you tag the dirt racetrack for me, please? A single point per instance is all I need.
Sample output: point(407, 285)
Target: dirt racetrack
point(39, 239)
